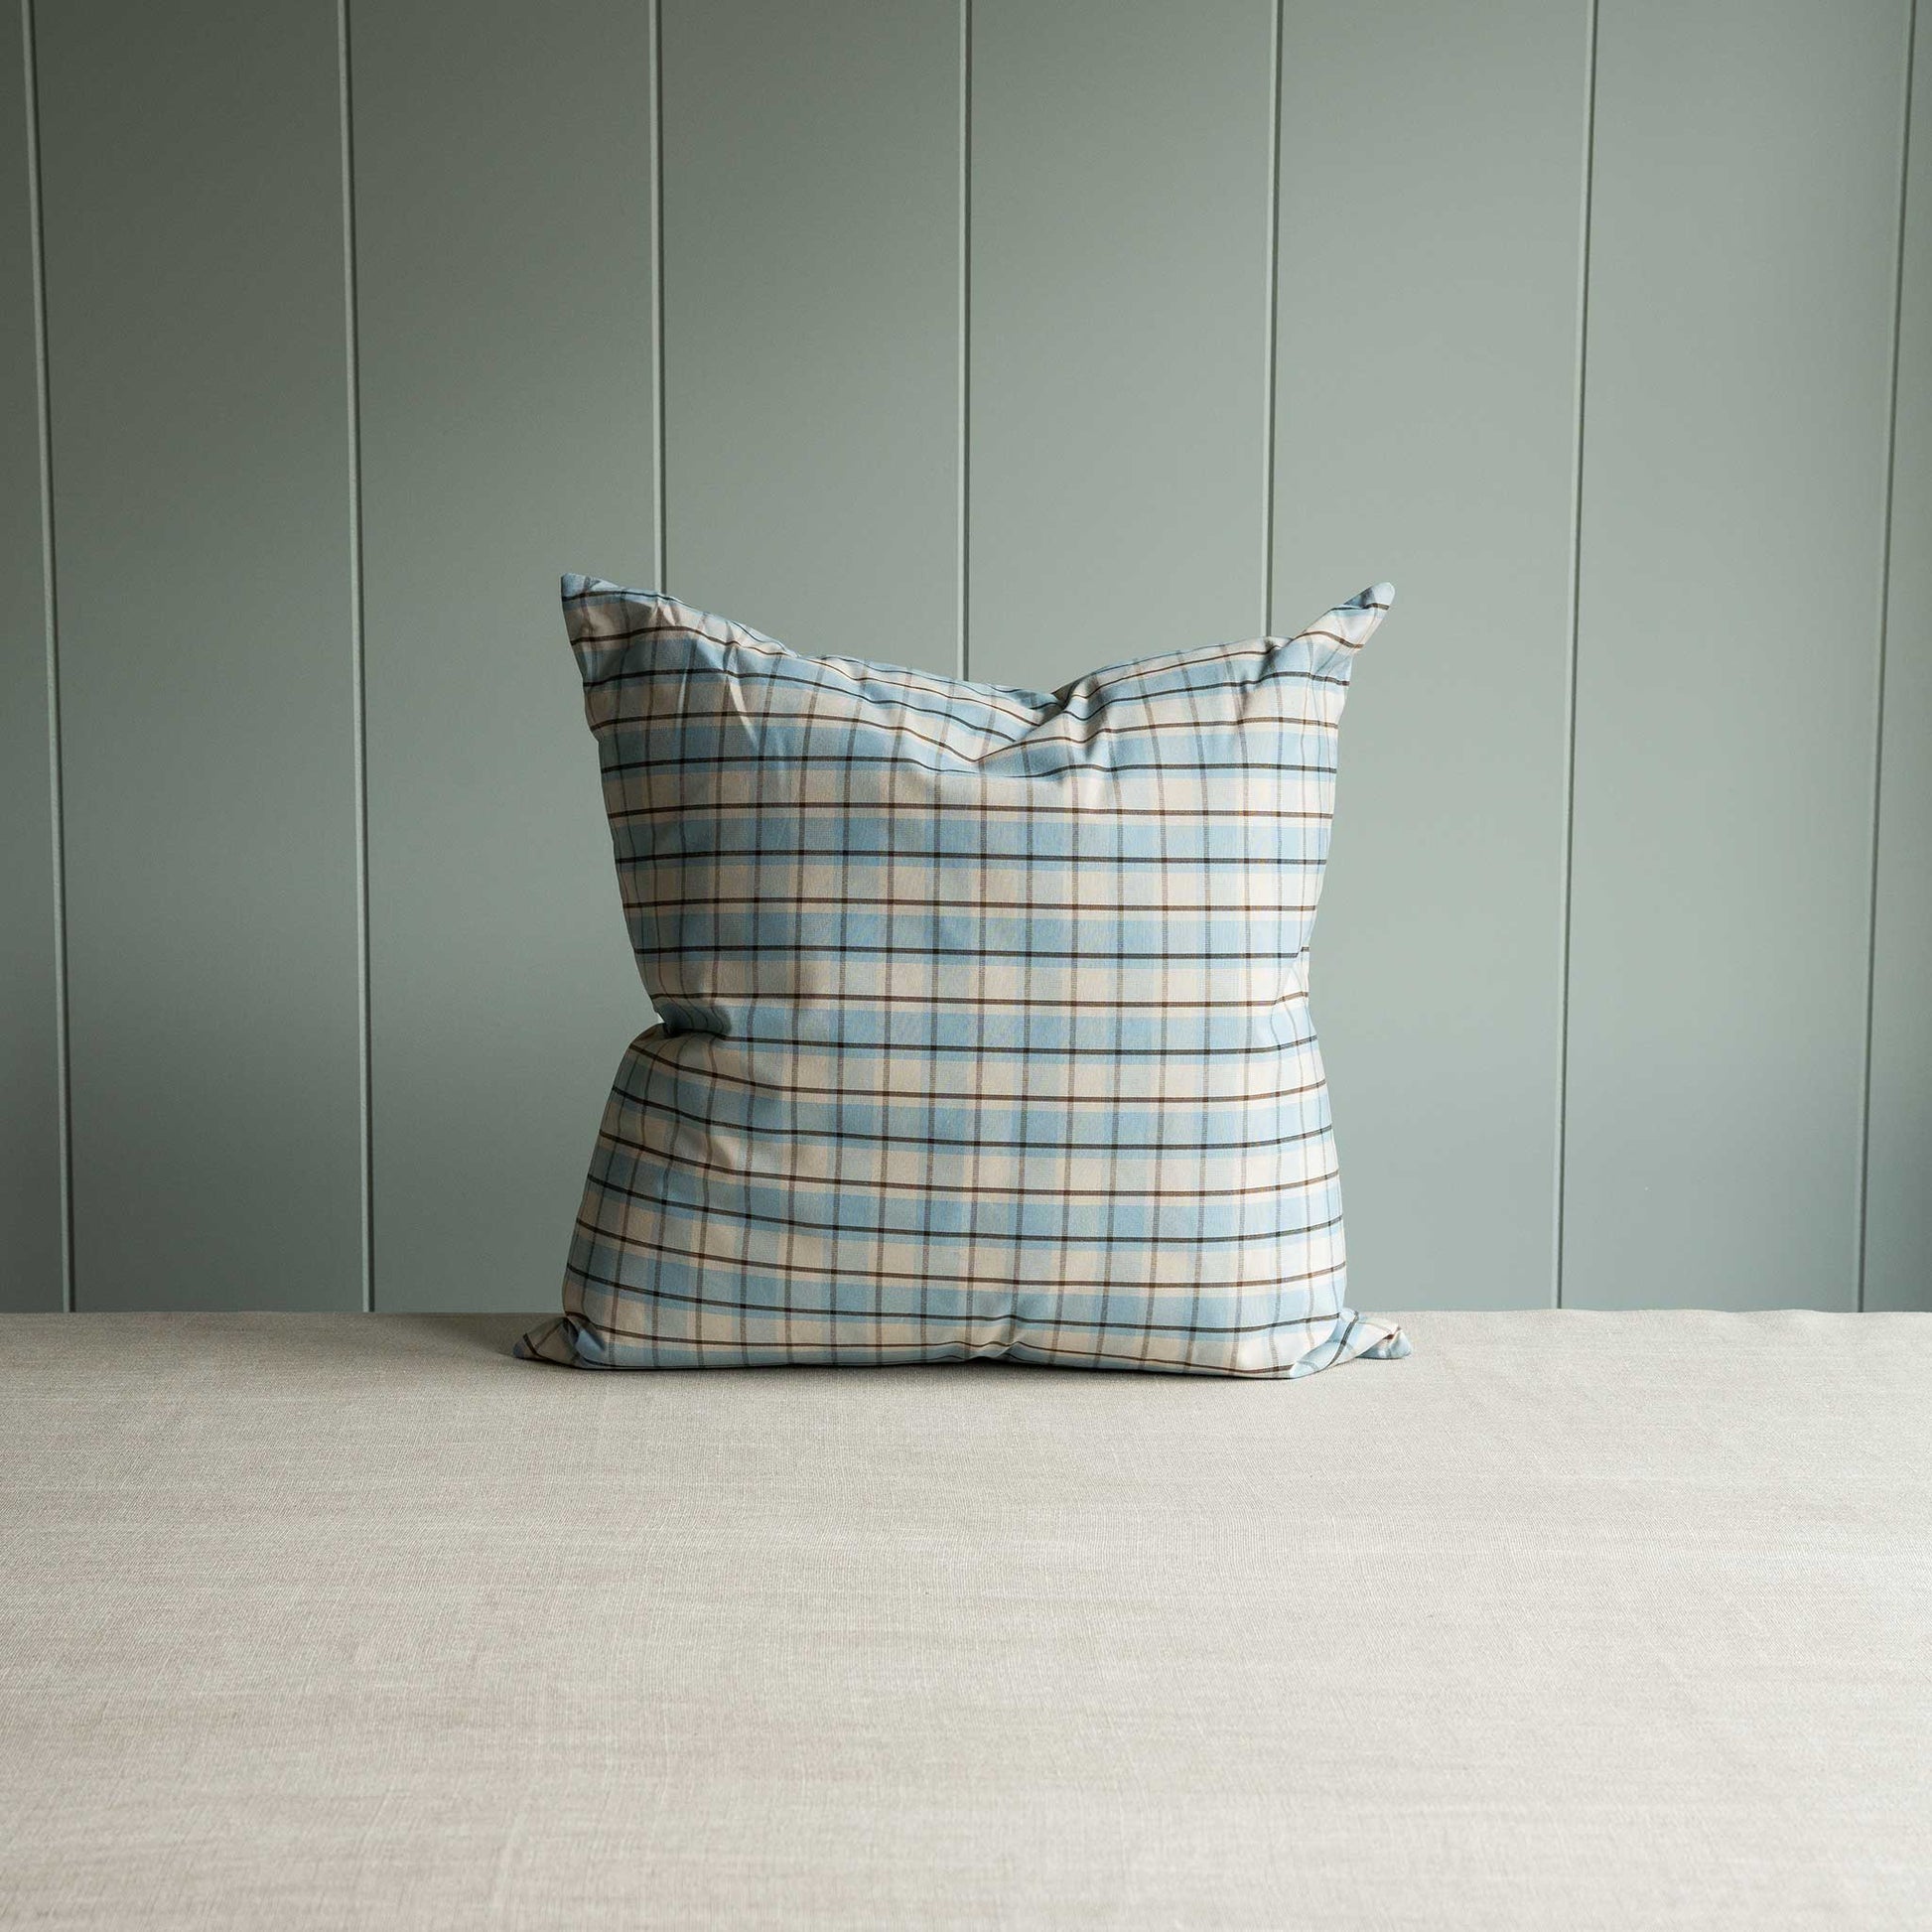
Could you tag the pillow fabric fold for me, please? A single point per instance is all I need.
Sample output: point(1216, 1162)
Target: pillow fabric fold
point(983, 1013)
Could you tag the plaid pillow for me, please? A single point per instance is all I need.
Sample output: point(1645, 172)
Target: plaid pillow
point(984, 1012)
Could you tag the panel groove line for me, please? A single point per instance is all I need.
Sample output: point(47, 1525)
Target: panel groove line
point(1884, 640)
point(35, 1225)
point(1562, 1122)
point(50, 619)
point(191, 182)
point(353, 400)
point(660, 496)
point(963, 480)
point(1897, 1222)
point(1271, 342)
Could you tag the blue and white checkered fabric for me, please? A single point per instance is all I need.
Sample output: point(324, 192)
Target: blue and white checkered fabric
point(984, 1012)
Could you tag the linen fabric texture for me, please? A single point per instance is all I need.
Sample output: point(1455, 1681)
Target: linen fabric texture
point(984, 1021)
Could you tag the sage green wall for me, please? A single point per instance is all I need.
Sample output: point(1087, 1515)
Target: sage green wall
point(967, 333)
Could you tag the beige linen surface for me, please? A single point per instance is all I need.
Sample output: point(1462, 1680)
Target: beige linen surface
point(1568, 1621)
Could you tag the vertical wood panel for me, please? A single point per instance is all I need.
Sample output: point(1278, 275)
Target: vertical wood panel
point(1117, 381)
point(503, 229)
point(30, 1106)
point(193, 248)
point(1898, 1202)
point(1432, 191)
point(811, 320)
point(1741, 305)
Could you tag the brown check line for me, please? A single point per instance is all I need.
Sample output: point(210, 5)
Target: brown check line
point(625, 1292)
point(803, 950)
point(986, 1050)
point(1194, 712)
point(963, 707)
point(624, 1149)
point(617, 777)
point(919, 1097)
point(990, 879)
point(643, 724)
point(804, 760)
point(1162, 910)
point(710, 1213)
point(967, 766)
point(629, 864)
point(962, 737)
point(982, 1050)
point(995, 808)
point(789, 1238)
point(758, 782)
point(608, 712)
